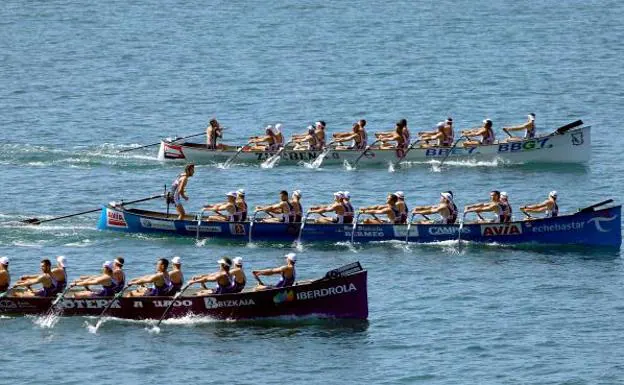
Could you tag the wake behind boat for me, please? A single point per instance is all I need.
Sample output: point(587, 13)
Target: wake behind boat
point(591, 226)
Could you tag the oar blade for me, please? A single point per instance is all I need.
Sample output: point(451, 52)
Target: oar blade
point(32, 221)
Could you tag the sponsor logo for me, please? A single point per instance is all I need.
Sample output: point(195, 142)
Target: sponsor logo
point(401, 231)
point(237, 228)
point(115, 219)
point(557, 227)
point(213, 303)
point(320, 293)
point(176, 303)
point(156, 224)
point(577, 139)
point(501, 229)
point(173, 152)
point(447, 230)
point(89, 304)
point(444, 151)
point(526, 145)
point(204, 229)
point(7, 304)
point(598, 223)
point(365, 231)
point(284, 296)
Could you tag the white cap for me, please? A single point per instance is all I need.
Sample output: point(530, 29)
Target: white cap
point(346, 194)
point(176, 260)
point(297, 193)
point(238, 261)
point(503, 194)
point(4, 261)
point(231, 194)
point(118, 261)
point(531, 116)
point(291, 256)
point(222, 261)
point(318, 124)
point(486, 120)
point(449, 120)
point(400, 194)
point(240, 192)
point(339, 194)
point(310, 128)
point(278, 128)
point(447, 196)
point(62, 261)
point(441, 124)
point(108, 265)
point(552, 194)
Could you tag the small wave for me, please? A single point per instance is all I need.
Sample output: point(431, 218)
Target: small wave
point(83, 243)
point(47, 321)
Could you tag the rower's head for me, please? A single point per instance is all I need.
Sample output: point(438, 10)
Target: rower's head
point(446, 197)
point(346, 195)
point(494, 195)
point(392, 199)
point(296, 194)
point(119, 262)
point(238, 262)
point(362, 123)
point(531, 117)
point(320, 125)
point(487, 123)
point(440, 126)
point(553, 195)
point(4, 263)
point(311, 130)
point(214, 123)
point(107, 268)
point(449, 121)
point(231, 196)
point(283, 195)
point(189, 170)
point(398, 128)
point(61, 261)
point(400, 195)
point(162, 264)
point(240, 193)
point(504, 196)
point(225, 263)
point(269, 130)
point(45, 265)
point(356, 127)
point(338, 196)
point(176, 262)
point(291, 259)
point(402, 123)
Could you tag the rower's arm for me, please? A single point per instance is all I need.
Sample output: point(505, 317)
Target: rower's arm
point(537, 208)
point(517, 128)
point(100, 280)
point(146, 279)
point(30, 281)
point(277, 270)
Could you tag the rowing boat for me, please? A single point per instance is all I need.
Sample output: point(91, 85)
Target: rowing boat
point(593, 227)
point(341, 293)
point(571, 146)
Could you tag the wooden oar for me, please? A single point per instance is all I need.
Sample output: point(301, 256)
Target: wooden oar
point(525, 213)
point(397, 163)
point(259, 280)
point(37, 221)
point(507, 132)
point(175, 297)
point(228, 161)
point(451, 150)
point(364, 152)
point(155, 144)
point(567, 127)
point(110, 304)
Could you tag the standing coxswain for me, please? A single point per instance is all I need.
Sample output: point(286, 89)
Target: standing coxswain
point(486, 132)
point(160, 281)
point(228, 206)
point(178, 190)
point(549, 206)
point(446, 209)
point(284, 209)
point(213, 132)
point(287, 273)
point(528, 127)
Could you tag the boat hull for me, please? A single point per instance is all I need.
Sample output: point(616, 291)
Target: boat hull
point(574, 146)
point(342, 297)
point(596, 228)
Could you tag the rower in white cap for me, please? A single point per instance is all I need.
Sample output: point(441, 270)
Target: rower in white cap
point(267, 142)
point(287, 273)
point(297, 208)
point(402, 207)
point(221, 278)
point(238, 275)
point(105, 280)
point(443, 134)
point(528, 127)
point(307, 141)
point(279, 136)
point(349, 213)
point(241, 206)
point(176, 276)
point(59, 273)
point(549, 206)
point(446, 209)
point(507, 210)
point(486, 132)
point(228, 206)
point(337, 206)
point(5, 277)
point(119, 276)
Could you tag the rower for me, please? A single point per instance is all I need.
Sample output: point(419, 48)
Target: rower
point(403, 210)
point(357, 134)
point(446, 209)
point(176, 276)
point(268, 142)
point(119, 277)
point(494, 205)
point(105, 280)
point(221, 278)
point(443, 134)
point(528, 127)
point(337, 206)
point(308, 141)
point(228, 206)
point(241, 206)
point(279, 137)
point(59, 274)
point(283, 209)
point(297, 208)
point(389, 209)
point(404, 130)
point(160, 281)
point(238, 275)
point(507, 210)
point(5, 277)
point(213, 131)
point(486, 132)
point(178, 190)
point(397, 136)
point(320, 133)
point(349, 212)
point(549, 206)
point(287, 273)
point(45, 279)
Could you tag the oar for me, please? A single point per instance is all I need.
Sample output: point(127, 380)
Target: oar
point(409, 227)
point(175, 297)
point(228, 161)
point(6, 292)
point(592, 207)
point(319, 159)
point(527, 214)
point(451, 150)
point(37, 221)
point(355, 223)
point(364, 152)
point(110, 304)
point(396, 164)
point(507, 132)
point(459, 231)
point(270, 162)
point(258, 279)
point(567, 127)
point(155, 144)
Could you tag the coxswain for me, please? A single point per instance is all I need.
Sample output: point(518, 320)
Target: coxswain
point(221, 278)
point(176, 276)
point(267, 142)
point(528, 127)
point(284, 209)
point(297, 207)
point(337, 206)
point(241, 206)
point(446, 209)
point(349, 213)
point(178, 190)
point(308, 141)
point(229, 208)
point(549, 206)
point(213, 132)
point(486, 132)
point(105, 280)
point(494, 206)
point(160, 281)
point(507, 210)
point(237, 275)
point(119, 276)
point(5, 277)
point(389, 209)
point(44, 279)
point(59, 274)
point(287, 273)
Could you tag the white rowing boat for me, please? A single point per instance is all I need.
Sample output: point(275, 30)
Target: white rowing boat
point(571, 145)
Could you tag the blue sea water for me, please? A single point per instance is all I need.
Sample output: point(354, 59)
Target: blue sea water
point(80, 81)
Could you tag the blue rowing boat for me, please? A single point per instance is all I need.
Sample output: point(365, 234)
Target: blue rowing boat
point(590, 226)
